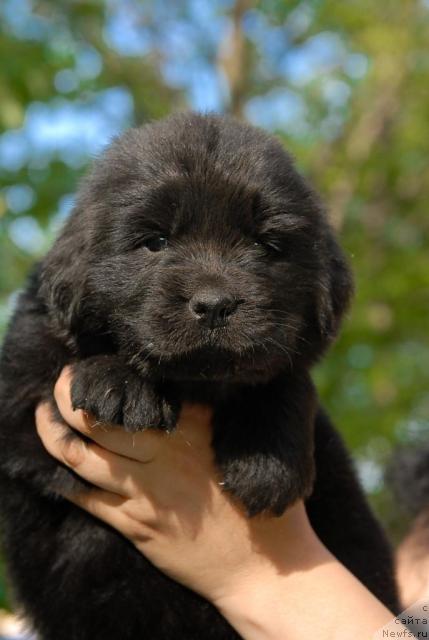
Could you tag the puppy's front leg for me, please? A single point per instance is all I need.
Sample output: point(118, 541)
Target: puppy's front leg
point(115, 393)
point(263, 441)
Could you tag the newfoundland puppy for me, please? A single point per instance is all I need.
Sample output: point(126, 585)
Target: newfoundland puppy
point(197, 265)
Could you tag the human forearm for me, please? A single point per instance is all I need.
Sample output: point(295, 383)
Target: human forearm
point(313, 595)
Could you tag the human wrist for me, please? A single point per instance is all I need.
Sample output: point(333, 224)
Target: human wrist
point(280, 547)
point(264, 604)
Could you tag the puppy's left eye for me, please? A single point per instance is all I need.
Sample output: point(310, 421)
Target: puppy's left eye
point(157, 243)
point(269, 245)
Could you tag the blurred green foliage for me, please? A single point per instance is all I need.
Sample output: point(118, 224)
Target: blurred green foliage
point(344, 84)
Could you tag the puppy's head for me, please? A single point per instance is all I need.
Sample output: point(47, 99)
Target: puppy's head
point(197, 247)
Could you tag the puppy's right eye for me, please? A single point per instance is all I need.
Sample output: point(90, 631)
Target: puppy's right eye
point(157, 243)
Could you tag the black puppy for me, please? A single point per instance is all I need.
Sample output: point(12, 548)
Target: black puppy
point(198, 265)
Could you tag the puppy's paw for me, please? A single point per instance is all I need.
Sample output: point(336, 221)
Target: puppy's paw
point(109, 389)
point(266, 484)
point(264, 443)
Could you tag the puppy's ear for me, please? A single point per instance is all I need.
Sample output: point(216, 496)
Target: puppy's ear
point(335, 288)
point(64, 273)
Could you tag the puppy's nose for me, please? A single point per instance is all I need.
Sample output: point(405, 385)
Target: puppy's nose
point(212, 307)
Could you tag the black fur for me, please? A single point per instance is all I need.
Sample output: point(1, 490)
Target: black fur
point(191, 206)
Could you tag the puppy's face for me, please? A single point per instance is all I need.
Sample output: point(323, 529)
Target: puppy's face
point(206, 253)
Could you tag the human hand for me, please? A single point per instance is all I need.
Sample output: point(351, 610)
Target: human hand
point(163, 493)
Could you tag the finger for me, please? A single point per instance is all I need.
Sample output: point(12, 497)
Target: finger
point(75, 419)
point(113, 510)
point(100, 467)
point(140, 446)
